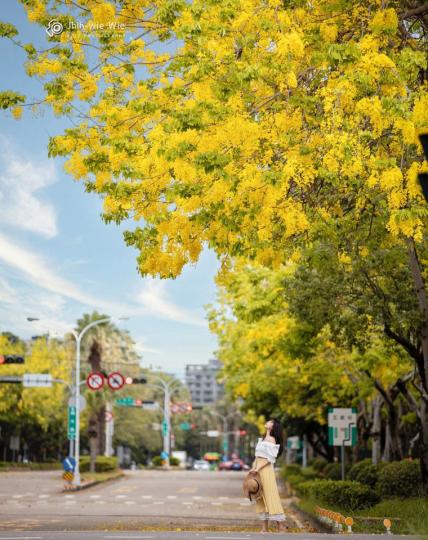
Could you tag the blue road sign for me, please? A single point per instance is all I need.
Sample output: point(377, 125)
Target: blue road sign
point(164, 455)
point(69, 464)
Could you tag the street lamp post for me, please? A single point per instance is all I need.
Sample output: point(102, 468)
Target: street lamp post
point(78, 338)
point(76, 389)
point(225, 419)
point(167, 389)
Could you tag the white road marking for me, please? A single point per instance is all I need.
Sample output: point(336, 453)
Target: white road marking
point(129, 537)
point(171, 496)
point(223, 498)
point(43, 496)
point(158, 502)
point(94, 496)
point(217, 504)
point(245, 504)
point(17, 496)
point(121, 496)
point(196, 497)
point(189, 503)
point(100, 502)
point(129, 502)
point(69, 496)
point(147, 496)
point(228, 537)
point(21, 537)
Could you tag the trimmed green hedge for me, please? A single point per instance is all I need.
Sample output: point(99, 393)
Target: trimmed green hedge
point(102, 464)
point(157, 461)
point(346, 494)
point(174, 461)
point(42, 466)
point(365, 472)
point(400, 479)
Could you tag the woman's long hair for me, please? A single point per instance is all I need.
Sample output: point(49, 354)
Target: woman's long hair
point(276, 433)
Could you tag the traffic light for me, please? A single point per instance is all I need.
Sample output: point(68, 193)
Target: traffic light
point(242, 432)
point(135, 380)
point(11, 359)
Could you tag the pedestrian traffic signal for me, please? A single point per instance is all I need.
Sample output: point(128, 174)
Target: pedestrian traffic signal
point(11, 359)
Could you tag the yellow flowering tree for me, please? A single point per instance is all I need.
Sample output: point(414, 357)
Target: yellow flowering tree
point(250, 126)
point(38, 415)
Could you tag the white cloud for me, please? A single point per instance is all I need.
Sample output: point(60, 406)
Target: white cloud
point(141, 347)
point(20, 180)
point(155, 301)
point(39, 272)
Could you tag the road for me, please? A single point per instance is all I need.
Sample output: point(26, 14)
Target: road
point(142, 500)
point(176, 536)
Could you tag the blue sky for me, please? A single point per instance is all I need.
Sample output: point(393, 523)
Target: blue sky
point(57, 257)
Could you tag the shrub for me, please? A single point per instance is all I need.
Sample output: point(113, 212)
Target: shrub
point(400, 479)
point(294, 468)
point(365, 472)
point(102, 464)
point(332, 471)
point(157, 461)
point(318, 464)
point(174, 461)
point(347, 495)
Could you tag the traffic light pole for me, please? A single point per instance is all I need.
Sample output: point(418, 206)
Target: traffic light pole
point(225, 419)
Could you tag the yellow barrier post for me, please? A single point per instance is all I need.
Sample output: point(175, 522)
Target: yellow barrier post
point(349, 522)
point(387, 524)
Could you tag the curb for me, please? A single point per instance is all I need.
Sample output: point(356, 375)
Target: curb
point(313, 520)
point(93, 483)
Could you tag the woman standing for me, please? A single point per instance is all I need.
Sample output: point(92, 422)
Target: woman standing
point(269, 448)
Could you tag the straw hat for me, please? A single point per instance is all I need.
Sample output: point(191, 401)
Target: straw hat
point(252, 486)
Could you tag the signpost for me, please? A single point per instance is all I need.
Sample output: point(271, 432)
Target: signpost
point(82, 402)
point(164, 427)
point(131, 402)
point(342, 430)
point(185, 426)
point(32, 380)
point(71, 428)
point(115, 380)
point(95, 380)
point(181, 407)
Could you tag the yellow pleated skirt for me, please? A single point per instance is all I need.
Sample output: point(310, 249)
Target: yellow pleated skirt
point(269, 506)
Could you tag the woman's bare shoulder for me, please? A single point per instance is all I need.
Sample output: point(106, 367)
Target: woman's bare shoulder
point(268, 438)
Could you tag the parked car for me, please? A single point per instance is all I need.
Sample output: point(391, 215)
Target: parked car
point(201, 465)
point(235, 464)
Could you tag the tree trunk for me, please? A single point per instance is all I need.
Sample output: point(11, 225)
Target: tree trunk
point(418, 280)
point(392, 450)
point(376, 429)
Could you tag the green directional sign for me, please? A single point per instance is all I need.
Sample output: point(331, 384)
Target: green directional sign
point(164, 427)
point(71, 428)
point(127, 401)
point(185, 426)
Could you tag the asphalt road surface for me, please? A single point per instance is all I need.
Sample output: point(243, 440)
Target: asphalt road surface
point(142, 500)
point(76, 535)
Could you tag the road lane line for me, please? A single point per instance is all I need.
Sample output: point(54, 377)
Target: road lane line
point(158, 502)
point(139, 537)
point(171, 496)
point(147, 496)
point(21, 537)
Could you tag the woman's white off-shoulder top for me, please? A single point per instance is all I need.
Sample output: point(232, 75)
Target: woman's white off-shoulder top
point(267, 450)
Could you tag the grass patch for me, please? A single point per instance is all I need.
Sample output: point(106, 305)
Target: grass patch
point(101, 476)
point(408, 516)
